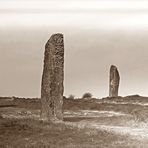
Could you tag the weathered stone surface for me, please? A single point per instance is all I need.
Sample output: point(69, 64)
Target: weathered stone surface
point(114, 81)
point(52, 79)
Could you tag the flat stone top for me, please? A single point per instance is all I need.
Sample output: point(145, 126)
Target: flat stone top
point(113, 67)
point(56, 39)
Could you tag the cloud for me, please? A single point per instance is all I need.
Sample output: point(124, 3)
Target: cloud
point(70, 13)
point(71, 5)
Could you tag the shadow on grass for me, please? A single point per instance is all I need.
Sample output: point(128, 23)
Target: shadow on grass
point(77, 119)
point(1, 106)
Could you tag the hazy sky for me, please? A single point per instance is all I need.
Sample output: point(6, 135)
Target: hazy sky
point(97, 33)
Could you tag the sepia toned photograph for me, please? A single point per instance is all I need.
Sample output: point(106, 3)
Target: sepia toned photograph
point(73, 73)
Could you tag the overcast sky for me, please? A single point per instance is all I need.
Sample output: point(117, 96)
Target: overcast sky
point(97, 34)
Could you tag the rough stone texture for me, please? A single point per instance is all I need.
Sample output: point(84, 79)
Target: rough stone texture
point(114, 81)
point(52, 79)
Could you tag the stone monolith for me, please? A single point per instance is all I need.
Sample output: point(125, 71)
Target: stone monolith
point(52, 79)
point(114, 81)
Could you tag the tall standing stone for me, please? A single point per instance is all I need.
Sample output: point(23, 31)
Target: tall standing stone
point(114, 81)
point(52, 79)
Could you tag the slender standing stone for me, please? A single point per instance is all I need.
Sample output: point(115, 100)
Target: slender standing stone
point(114, 81)
point(52, 79)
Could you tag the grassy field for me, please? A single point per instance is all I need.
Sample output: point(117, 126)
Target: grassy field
point(87, 124)
point(31, 133)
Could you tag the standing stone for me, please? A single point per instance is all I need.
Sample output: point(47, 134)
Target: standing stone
point(114, 81)
point(52, 79)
